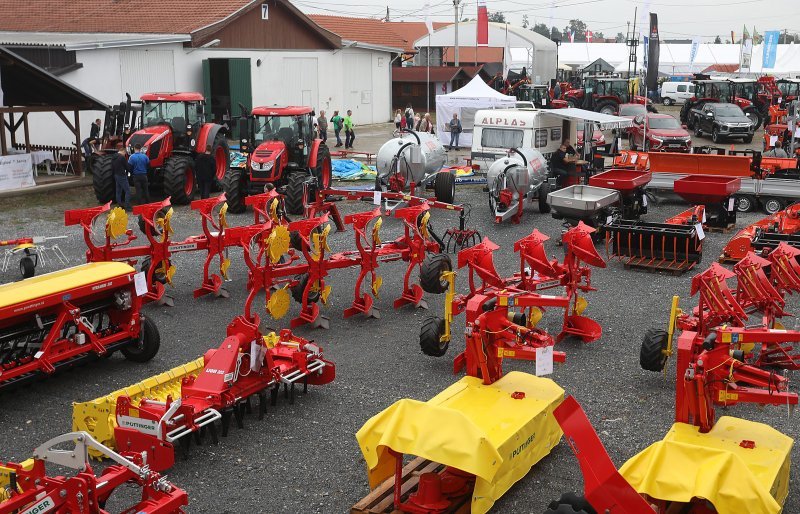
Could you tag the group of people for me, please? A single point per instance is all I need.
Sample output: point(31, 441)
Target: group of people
point(339, 123)
point(408, 120)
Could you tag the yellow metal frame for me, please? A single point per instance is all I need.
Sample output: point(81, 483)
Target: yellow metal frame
point(674, 312)
point(450, 276)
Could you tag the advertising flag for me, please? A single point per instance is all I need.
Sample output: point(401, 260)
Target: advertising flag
point(770, 48)
point(653, 52)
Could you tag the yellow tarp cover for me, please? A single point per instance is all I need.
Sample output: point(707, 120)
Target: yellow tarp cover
point(473, 427)
point(59, 281)
point(736, 480)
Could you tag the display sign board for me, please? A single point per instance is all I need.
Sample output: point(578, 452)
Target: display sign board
point(16, 172)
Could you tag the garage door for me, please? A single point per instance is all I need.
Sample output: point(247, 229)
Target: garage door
point(147, 71)
point(302, 86)
point(358, 85)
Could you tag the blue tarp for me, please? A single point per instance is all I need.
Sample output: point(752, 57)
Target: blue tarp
point(348, 169)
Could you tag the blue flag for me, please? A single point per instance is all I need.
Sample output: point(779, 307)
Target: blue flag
point(770, 48)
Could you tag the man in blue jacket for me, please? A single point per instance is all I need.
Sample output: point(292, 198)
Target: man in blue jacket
point(139, 162)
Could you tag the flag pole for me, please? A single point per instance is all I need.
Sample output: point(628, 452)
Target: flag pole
point(428, 80)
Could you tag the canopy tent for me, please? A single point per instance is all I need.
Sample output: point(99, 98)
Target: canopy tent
point(603, 121)
point(465, 102)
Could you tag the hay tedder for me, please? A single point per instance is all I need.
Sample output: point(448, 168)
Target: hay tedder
point(26, 487)
point(63, 318)
point(33, 252)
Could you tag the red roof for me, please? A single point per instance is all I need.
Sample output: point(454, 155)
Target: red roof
point(722, 68)
point(289, 110)
point(395, 34)
point(420, 73)
point(172, 97)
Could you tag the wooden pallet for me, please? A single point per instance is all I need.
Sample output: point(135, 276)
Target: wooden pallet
point(381, 499)
point(672, 267)
point(721, 230)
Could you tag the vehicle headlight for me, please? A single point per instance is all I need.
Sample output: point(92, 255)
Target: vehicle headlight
point(268, 165)
point(724, 128)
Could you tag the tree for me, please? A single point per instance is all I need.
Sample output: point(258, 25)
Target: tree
point(578, 28)
point(541, 28)
point(597, 36)
point(717, 40)
point(620, 37)
point(525, 22)
point(497, 17)
point(556, 34)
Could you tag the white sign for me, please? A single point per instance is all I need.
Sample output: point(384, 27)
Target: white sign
point(376, 197)
point(700, 234)
point(544, 361)
point(730, 204)
point(16, 172)
point(140, 282)
point(773, 139)
point(42, 506)
point(145, 426)
point(264, 11)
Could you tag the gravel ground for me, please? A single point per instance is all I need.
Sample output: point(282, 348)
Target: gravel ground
point(307, 452)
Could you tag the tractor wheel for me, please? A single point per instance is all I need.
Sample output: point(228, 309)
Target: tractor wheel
point(745, 203)
point(430, 273)
point(235, 187)
point(715, 137)
point(572, 103)
point(158, 276)
point(293, 195)
point(146, 347)
point(297, 291)
point(607, 107)
point(222, 158)
point(544, 189)
point(27, 267)
point(651, 356)
point(754, 116)
point(178, 173)
point(324, 170)
point(570, 503)
point(103, 179)
point(772, 205)
point(444, 187)
point(430, 337)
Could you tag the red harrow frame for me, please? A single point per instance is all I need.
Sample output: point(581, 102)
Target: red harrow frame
point(764, 235)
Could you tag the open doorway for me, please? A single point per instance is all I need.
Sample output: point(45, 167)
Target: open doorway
point(227, 87)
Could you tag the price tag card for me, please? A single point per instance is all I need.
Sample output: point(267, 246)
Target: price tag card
point(700, 234)
point(140, 283)
point(544, 361)
point(376, 198)
point(731, 203)
point(644, 200)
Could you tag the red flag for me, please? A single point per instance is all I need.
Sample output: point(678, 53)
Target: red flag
point(589, 36)
point(482, 32)
point(571, 37)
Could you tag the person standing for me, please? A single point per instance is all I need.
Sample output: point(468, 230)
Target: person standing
point(349, 133)
point(455, 131)
point(205, 167)
point(426, 125)
point(120, 169)
point(397, 117)
point(94, 130)
point(139, 163)
point(337, 128)
point(557, 91)
point(417, 122)
point(777, 151)
point(322, 127)
point(409, 115)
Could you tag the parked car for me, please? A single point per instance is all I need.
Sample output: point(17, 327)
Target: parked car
point(631, 111)
point(659, 133)
point(722, 120)
point(676, 92)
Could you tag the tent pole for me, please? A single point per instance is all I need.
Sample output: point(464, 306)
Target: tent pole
point(428, 81)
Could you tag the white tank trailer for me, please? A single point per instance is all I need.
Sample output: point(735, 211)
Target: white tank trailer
point(416, 158)
point(512, 179)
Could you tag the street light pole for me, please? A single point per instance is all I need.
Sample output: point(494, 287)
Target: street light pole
point(455, 9)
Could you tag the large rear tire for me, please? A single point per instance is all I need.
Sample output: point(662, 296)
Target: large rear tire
point(103, 179)
point(235, 187)
point(444, 187)
point(324, 170)
point(607, 107)
point(148, 344)
point(430, 337)
point(651, 355)
point(179, 183)
point(754, 116)
point(430, 273)
point(293, 194)
point(544, 189)
point(222, 157)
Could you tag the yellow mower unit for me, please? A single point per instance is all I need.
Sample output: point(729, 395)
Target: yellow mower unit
point(487, 437)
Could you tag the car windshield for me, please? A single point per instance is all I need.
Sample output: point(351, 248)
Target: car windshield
point(663, 123)
point(728, 110)
point(277, 128)
point(632, 110)
point(173, 113)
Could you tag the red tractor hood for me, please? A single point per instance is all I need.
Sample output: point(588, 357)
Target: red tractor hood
point(148, 135)
point(269, 151)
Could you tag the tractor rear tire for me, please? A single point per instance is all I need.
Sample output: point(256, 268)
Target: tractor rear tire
point(178, 174)
point(297, 291)
point(27, 268)
point(158, 276)
point(430, 273)
point(754, 116)
point(221, 169)
point(544, 189)
point(293, 194)
point(572, 103)
point(103, 179)
point(570, 503)
point(444, 187)
point(651, 355)
point(430, 337)
point(324, 170)
point(607, 107)
point(235, 187)
point(147, 346)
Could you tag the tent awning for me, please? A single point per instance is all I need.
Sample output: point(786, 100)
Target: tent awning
point(606, 121)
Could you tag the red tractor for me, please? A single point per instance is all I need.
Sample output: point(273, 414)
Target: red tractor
point(718, 90)
point(278, 147)
point(606, 95)
point(173, 131)
point(789, 88)
point(539, 96)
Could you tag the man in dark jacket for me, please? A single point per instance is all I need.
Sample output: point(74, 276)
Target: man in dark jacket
point(120, 168)
point(205, 168)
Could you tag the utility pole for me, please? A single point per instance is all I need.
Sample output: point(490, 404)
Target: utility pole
point(455, 47)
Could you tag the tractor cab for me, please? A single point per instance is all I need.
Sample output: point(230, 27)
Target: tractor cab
point(539, 96)
point(735, 91)
point(182, 113)
point(789, 88)
point(605, 94)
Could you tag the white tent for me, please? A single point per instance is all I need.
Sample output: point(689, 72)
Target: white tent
point(465, 102)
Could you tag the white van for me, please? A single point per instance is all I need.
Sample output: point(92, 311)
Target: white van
point(676, 92)
point(497, 130)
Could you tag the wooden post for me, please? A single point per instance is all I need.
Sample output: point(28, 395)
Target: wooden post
point(3, 147)
point(12, 129)
point(27, 132)
point(77, 131)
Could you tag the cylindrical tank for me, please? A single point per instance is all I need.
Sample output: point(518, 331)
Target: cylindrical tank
point(525, 169)
point(413, 156)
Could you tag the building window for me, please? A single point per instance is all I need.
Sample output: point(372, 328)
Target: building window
point(501, 138)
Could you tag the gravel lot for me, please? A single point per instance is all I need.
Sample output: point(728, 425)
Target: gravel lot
point(304, 458)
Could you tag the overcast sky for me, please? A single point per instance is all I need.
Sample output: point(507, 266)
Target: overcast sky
point(677, 19)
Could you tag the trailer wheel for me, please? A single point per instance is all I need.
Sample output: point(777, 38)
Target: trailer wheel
point(772, 205)
point(651, 356)
point(103, 179)
point(146, 347)
point(745, 203)
point(430, 337)
point(235, 186)
point(444, 187)
point(179, 184)
point(293, 194)
point(544, 189)
point(430, 273)
point(27, 267)
point(570, 503)
point(297, 290)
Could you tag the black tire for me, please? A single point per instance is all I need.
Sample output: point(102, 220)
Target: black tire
point(297, 291)
point(572, 103)
point(651, 355)
point(176, 171)
point(754, 116)
point(293, 194)
point(607, 107)
point(103, 179)
point(27, 268)
point(235, 187)
point(444, 187)
point(220, 141)
point(772, 205)
point(697, 131)
point(715, 137)
point(322, 173)
point(146, 347)
point(544, 189)
point(668, 101)
point(157, 275)
point(570, 503)
point(745, 203)
point(430, 273)
point(430, 337)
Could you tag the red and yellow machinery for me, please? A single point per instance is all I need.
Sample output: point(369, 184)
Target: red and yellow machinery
point(27, 488)
point(33, 252)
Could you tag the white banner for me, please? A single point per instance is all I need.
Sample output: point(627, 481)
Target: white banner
point(16, 172)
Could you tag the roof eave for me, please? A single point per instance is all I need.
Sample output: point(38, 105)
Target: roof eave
point(369, 46)
point(122, 43)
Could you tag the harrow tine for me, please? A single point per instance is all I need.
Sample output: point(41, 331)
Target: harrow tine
point(262, 404)
point(212, 430)
point(248, 405)
point(238, 414)
point(198, 437)
point(185, 442)
point(226, 421)
point(274, 394)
